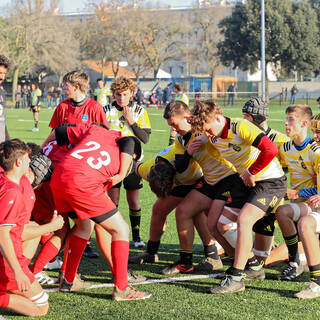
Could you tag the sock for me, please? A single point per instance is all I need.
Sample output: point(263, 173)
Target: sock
point(45, 238)
point(292, 244)
point(135, 217)
point(76, 248)
point(237, 274)
point(186, 256)
point(315, 273)
point(171, 140)
point(47, 253)
point(120, 254)
point(153, 246)
point(211, 251)
point(36, 124)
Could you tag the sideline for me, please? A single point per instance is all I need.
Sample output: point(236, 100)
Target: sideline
point(151, 281)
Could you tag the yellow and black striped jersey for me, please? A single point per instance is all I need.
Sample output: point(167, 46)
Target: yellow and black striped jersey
point(303, 164)
point(213, 165)
point(102, 95)
point(118, 122)
point(188, 177)
point(238, 148)
point(277, 137)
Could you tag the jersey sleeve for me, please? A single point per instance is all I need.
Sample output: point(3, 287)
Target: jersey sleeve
point(9, 207)
point(248, 132)
point(55, 120)
point(145, 167)
point(143, 121)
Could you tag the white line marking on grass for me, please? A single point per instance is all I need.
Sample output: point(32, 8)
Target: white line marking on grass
point(3, 318)
point(154, 114)
point(160, 130)
point(25, 120)
point(151, 281)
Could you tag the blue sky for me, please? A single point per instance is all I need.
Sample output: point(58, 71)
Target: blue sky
point(80, 5)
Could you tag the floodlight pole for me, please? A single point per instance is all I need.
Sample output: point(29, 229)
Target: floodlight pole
point(263, 61)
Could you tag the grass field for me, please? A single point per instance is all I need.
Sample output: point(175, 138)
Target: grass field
point(186, 299)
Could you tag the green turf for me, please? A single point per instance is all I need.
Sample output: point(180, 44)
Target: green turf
point(269, 299)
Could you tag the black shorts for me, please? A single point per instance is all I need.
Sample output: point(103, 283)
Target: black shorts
point(229, 189)
point(98, 219)
point(131, 182)
point(183, 190)
point(35, 109)
point(267, 194)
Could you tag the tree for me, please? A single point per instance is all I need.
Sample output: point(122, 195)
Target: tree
point(241, 31)
point(206, 37)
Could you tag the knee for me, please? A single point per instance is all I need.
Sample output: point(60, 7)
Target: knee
point(306, 224)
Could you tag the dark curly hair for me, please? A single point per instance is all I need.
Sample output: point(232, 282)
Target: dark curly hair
point(121, 84)
point(4, 61)
point(161, 178)
point(202, 112)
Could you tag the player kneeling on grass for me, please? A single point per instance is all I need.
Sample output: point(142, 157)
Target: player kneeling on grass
point(301, 156)
point(19, 290)
point(309, 230)
point(99, 159)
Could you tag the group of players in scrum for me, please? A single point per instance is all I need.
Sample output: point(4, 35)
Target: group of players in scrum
point(222, 176)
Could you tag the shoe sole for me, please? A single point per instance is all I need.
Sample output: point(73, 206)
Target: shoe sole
point(236, 291)
point(121, 299)
point(177, 272)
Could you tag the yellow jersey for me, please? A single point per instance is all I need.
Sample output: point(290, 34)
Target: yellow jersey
point(238, 148)
point(188, 177)
point(213, 165)
point(102, 95)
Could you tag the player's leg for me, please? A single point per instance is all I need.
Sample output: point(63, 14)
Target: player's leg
point(309, 230)
point(35, 112)
point(33, 302)
point(194, 203)
point(160, 211)
point(211, 260)
point(133, 184)
point(114, 224)
point(287, 215)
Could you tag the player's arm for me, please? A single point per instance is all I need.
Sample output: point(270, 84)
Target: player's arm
point(7, 250)
point(128, 150)
point(33, 230)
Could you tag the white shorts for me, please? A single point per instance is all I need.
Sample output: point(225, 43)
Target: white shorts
point(316, 216)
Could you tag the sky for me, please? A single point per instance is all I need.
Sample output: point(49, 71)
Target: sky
point(80, 5)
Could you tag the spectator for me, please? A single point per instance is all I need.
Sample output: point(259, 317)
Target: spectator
point(167, 94)
point(4, 66)
point(24, 96)
point(159, 94)
point(318, 101)
point(18, 97)
point(231, 90)
point(139, 98)
point(153, 99)
point(294, 90)
point(50, 97)
point(180, 96)
point(197, 93)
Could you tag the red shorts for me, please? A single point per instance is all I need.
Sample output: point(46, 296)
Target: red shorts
point(7, 280)
point(84, 204)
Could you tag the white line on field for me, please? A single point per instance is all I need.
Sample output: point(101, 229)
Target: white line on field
point(25, 120)
point(160, 130)
point(3, 318)
point(151, 281)
point(154, 114)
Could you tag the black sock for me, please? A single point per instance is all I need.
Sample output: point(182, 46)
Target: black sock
point(153, 246)
point(36, 124)
point(253, 262)
point(135, 217)
point(315, 273)
point(211, 251)
point(292, 244)
point(235, 272)
point(186, 256)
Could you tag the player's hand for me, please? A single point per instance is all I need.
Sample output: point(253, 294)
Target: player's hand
point(128, 115)
point(116, 179)
point(194, 146)
point(248, 179)
point(57, 221)
point(291, 194)
point(314, 201)
point(22, 281)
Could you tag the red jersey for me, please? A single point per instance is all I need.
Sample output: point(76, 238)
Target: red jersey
point(90, 164)
point(90, 111)
point(54, 152)
point(16, 202)
point(44, 206)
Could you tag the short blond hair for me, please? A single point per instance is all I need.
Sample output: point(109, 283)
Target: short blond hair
point(303, 110)
point(77, 77)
